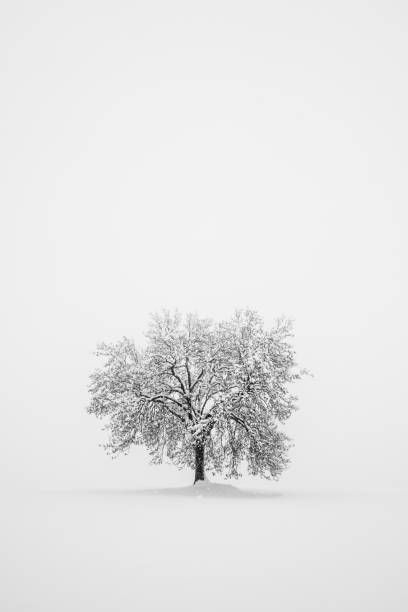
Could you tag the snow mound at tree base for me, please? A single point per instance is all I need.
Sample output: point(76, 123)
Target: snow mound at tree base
point(206, 488)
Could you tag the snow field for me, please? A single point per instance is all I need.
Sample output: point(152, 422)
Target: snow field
point(213, 550)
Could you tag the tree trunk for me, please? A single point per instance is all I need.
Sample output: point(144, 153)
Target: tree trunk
point(199, 463)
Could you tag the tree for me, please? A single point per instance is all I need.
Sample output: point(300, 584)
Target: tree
point(204, 394)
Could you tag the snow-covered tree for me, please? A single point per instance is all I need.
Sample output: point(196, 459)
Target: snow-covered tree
point(204, 394)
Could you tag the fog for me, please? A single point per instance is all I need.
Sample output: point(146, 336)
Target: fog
point(207, 157)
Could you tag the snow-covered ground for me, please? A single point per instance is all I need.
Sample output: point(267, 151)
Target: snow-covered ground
point(214, 548)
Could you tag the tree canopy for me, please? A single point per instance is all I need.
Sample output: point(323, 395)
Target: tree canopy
point(201, 393)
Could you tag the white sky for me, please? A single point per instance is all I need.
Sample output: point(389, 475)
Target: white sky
point(205, 156)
